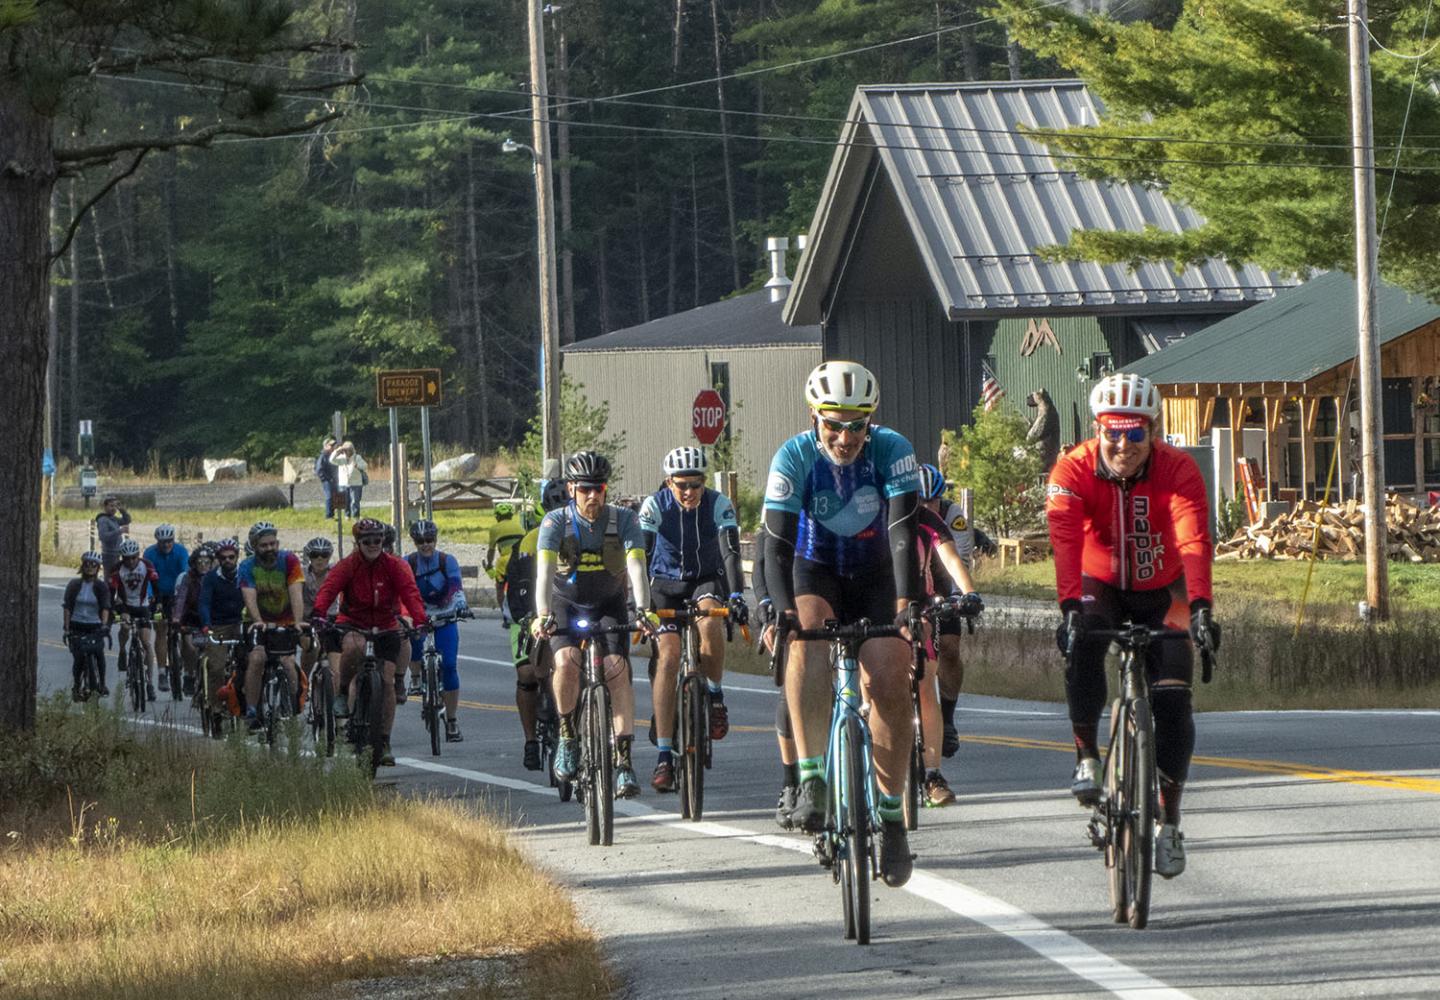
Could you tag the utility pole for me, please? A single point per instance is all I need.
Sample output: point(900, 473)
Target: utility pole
point(545, 243)
point(1372, 459)
point(562, 141)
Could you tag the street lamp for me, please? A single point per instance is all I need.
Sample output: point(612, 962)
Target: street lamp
point(549, 328)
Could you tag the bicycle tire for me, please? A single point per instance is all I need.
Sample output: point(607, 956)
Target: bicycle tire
point(1140, 856)
point(135, 677)
point(172, 644)
point(601, 790)
point(434, 709)
point(377, 722)
point(357, 729)
point(94, 664)
point(589, 768)
point(695, 710)
point(913, 801)
point(322, 713)
point(1115, 809)
point(853, 826)
point(276, 704)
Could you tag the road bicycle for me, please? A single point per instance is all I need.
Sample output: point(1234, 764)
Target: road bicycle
point(847, 845)
point(132, 660)
point(432, 704)
point(172, 653)
point(595, 778)
point(365, 728)
point(1122, 825)
point(693, 747)
point(939, 611)
point(277, 701)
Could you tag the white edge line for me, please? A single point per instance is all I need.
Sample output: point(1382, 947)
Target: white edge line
point(1065, 950)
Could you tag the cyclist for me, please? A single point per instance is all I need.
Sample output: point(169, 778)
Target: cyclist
point(170, 560)
point(317, 554)
point(503, 534)
point(950, 670)
point(185, 609)
point(273, 587)
point(693, 541)
point(784, 734)
point(840, 513)
point(1130, 526)
point(533, 660)
point(133, 583)
point(937, 537)
point(437, 575)
point(585, 552)
point(222, 610)
point(379, 592)
point(87, 612)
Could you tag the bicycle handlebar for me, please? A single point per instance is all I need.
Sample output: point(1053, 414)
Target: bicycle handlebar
point(582, 628)
point(691, 611)
point(1137, 637)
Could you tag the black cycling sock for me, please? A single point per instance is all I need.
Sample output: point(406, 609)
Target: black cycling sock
point(1170, 799)
point(792, 775)
point(947, 710)
point(1086, 741)
point(622, 750)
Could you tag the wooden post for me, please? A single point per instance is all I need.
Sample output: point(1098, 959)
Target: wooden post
point(1342, 448)
point(1309, 410)
point(1236, 406)
point(545, 244)
point(1417, 386)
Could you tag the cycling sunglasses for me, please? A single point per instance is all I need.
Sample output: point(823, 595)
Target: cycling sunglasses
point(688, 485)
point(1134, 435)
point(425, 540)
point(853, 426)
point(372, 539)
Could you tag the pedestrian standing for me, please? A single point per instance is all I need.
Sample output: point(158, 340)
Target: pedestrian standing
point(112, 524)
point(325, 473)
point(350, 475)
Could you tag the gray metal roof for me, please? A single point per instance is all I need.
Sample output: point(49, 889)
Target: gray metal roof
point(750, 320)
point(980, 198)
point(1301, 333)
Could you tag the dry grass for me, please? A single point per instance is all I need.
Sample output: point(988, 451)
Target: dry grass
point(268, 877)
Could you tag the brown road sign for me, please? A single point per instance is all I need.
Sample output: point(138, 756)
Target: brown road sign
point(411, 387)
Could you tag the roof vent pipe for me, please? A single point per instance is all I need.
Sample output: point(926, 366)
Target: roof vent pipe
point(779, 284)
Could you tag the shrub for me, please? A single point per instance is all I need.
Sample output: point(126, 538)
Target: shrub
point(992, 458)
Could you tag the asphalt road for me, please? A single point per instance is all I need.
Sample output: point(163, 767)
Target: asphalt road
point(1314, 865)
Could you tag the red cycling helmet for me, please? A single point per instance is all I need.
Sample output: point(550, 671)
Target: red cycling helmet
point(367, 526)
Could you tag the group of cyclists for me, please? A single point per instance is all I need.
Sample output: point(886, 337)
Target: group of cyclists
point(853, 528)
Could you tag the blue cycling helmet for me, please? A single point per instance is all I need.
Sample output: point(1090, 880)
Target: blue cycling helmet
point(932, 482)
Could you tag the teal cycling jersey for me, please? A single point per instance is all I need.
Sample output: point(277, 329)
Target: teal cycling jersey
point(842, 508)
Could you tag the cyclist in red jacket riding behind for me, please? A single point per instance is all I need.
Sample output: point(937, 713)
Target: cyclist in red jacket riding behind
point(379, 591)
point(1131, 529)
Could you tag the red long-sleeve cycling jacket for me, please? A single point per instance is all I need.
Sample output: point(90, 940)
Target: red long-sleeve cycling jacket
point(373, 591)
point(1140, 538)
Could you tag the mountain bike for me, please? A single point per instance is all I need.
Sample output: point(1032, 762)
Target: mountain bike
point(319, 712)
point(132, 660)
point(847, 845)
point(89, 647)
point(595, 778)
point(1122, 825)
point(432, 705)
point(365, 728)
point(938, 611)
point(277, 701)
point(218, 717)
point(692, 707)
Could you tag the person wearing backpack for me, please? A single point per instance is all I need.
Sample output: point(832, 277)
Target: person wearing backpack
point(437, 574)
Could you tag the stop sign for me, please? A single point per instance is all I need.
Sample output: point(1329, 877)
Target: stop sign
point(707, 416)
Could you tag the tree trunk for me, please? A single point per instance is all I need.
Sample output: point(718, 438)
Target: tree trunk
point(52, 333)
point(172, 245)
point(562, 148)
point(73, 358)
point(459, 332)
point(969, 49)
point(603, 266)
point(672, 255)
point(1012, 55)
point(27, 173)
point(100, 256)
point(725, 148)
point(482, 367)
point(694, 232)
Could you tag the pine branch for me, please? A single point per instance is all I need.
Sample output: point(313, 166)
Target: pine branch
point(96, 155)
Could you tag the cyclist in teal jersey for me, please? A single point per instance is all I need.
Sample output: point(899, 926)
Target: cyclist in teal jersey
point(841, 505)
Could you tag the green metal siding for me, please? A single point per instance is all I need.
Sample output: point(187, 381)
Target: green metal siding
point(1078, 337)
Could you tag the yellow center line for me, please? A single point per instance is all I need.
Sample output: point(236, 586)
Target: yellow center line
point(511, 708)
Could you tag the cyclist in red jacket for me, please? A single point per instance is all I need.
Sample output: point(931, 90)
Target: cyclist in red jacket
point(378, 591)
point(1131, 529)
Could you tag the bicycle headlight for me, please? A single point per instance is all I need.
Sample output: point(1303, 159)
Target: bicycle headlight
point(582, 623)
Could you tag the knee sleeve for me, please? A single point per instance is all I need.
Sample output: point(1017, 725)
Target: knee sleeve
point(1174, 731)
point(783, 728)
point(1085, 688)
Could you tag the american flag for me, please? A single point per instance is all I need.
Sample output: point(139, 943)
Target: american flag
point(990, 391)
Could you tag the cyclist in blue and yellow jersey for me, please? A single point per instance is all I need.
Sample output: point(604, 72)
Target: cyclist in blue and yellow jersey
point(841, 506)
point(437, 574)
point(533, 660)
point(502, 536)
point(693, 540)
point(586, 552)
point(171, 560)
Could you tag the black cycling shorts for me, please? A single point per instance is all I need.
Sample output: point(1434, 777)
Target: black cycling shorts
point(387, 648)
point(671, 595)
point(607, 614)
point(1109, 607)
point(869, 594)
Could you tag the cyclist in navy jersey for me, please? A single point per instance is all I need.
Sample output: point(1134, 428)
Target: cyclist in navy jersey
point(841, 504)
point(692, 541)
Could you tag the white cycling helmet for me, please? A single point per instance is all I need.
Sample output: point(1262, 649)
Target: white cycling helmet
point(165, 533)
point(1126, 394)
point(129, 547)
point(842, 385)
point(685, 460)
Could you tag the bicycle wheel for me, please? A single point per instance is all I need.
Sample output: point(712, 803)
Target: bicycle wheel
point(94, 664)
point(600, 788)
point(433, 709)
point(589, 766)
point(357, 728)
point(322, 713)
point(915, 779)
point(1115, 809)
point(177, 681)
point(853, 830)
point(1140, 791)
point(135, 678)
point(695, 715)
point(276, 703)
point(376, 723)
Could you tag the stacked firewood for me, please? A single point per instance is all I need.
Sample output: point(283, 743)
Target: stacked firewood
point(1413, 533)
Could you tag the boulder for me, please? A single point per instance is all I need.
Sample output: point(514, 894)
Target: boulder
point(458, 467)
point(219, 469)
point(264, 497)
point(297, 469)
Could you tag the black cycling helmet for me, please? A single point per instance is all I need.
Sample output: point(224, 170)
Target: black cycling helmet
point(318, 546)
point(390, 535)
point(553, 495)
point(587, 467)
point(202, 552)
point(423, 528)
point(367, 526)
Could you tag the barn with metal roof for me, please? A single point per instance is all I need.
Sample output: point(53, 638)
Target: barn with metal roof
point(924, 264)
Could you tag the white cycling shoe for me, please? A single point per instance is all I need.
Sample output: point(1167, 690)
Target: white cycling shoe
point(1169, 851)
point(1085, 784)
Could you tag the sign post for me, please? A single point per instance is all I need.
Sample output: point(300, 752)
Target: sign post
point(407, 387)
point(707, 417)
